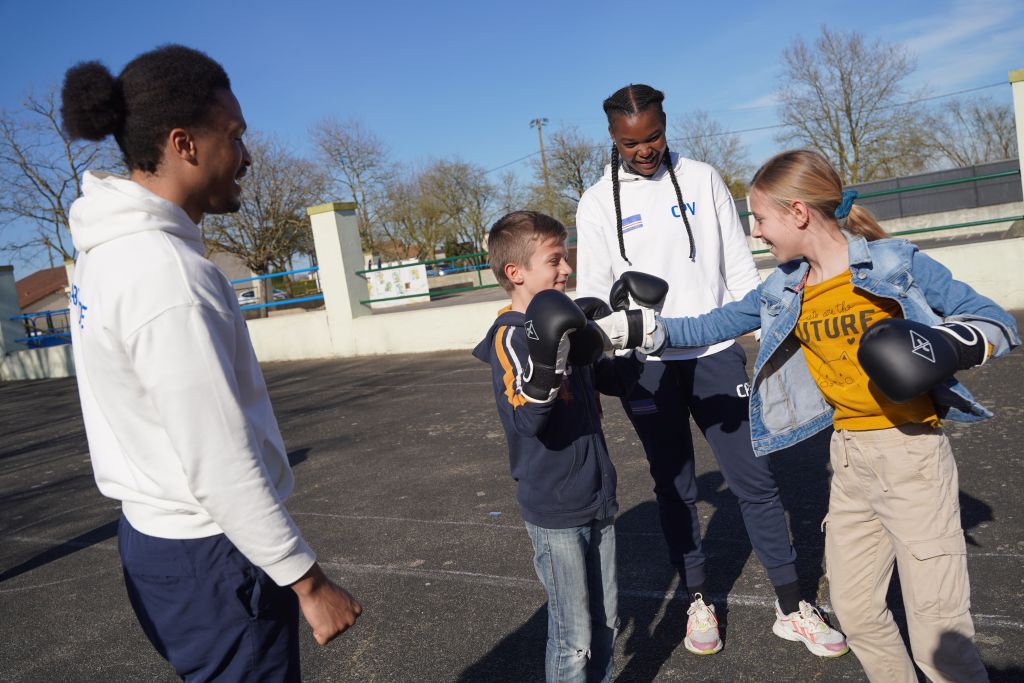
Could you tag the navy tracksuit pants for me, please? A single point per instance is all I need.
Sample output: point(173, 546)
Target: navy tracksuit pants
point(712, 390)
point(209, 611)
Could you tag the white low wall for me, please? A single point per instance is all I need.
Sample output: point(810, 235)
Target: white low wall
point(424, 330)
point(993, 268)
point(981, 213)
point(292, 337)
point(47, 363)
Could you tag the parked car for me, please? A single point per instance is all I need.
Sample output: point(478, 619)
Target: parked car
point(247, 297)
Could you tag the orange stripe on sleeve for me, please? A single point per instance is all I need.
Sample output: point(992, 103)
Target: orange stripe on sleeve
point(509, 376)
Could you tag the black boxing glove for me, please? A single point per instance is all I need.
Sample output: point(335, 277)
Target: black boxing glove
point(972, 347)
point(593, 307)
point(905, 359)
point(588, 343)
point(550, 318)
point(648, 291)
point(637, 328)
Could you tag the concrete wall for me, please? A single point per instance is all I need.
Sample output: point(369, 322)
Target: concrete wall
point(9, 329)
point(292, 337)
point(46, 363)
point(991, 267)
point(981, 213)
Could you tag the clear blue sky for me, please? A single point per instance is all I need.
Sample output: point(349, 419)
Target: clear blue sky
point(464, 79)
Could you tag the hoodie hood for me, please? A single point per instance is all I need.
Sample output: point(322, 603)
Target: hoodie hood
point(506, 316)
point(627, 176)
point(112, 206)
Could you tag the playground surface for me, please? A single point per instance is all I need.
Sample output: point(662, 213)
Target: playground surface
point(402, 488)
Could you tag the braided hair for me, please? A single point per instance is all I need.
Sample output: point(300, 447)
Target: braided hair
point(630, 101)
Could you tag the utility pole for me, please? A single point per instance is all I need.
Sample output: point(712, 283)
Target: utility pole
point(539, 123)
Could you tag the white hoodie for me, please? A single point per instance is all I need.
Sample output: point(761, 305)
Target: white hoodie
point(656, 241)
point(177, 414)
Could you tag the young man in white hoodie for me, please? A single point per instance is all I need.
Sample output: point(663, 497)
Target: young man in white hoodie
point(660, 213)
point(177, 414)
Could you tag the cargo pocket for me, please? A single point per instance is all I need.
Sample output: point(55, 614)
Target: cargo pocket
point(938, 581)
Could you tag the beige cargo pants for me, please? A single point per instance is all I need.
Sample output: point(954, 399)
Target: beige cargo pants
point(894, 498)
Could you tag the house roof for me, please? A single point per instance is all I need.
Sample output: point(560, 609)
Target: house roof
point(40, 285)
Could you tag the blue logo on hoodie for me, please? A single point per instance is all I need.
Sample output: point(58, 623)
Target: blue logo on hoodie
point(690, 206)
point(76, 302)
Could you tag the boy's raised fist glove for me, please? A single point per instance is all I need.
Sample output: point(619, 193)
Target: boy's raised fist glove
point(637, 328)
point(906, 359)
point(589, 342)
point(550, 318)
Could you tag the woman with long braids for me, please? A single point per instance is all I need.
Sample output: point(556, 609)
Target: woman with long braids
point(657, 212)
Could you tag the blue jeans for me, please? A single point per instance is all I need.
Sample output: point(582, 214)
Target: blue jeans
point(577, 568)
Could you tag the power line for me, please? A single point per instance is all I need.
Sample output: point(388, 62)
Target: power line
point(774, 126)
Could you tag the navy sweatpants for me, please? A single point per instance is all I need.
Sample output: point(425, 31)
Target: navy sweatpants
point(713, 390)
point(209, 611)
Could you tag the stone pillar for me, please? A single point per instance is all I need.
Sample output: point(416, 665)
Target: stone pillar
point(11, 329)
point(1017, 83)
point(339, 255)
point(69, 269)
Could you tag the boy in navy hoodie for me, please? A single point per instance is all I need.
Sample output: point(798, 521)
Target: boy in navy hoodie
point(557, 453)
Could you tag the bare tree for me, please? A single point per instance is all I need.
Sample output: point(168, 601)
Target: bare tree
point(40, 175)
point(409, 217)
point(975, 131)
point(701, 137)
point(509, 195)
point(465, 198)
point(360, 165)
point(846, 98)
point(575, 162)
point(272, 224)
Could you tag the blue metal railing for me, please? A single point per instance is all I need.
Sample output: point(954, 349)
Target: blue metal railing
point(52, 335)
point(274, 301)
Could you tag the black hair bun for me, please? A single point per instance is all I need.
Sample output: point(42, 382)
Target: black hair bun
point(92, 106)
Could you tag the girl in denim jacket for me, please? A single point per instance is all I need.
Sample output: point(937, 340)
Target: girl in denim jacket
point(894, 490)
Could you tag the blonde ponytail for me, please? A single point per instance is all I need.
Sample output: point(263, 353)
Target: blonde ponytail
point(807, 176)
point(862, 222)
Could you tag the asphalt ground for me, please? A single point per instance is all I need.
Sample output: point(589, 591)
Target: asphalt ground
point(403, 489)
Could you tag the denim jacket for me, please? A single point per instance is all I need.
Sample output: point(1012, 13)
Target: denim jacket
point(785, 404)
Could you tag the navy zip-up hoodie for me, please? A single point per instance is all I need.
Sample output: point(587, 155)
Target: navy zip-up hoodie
point(557, 450)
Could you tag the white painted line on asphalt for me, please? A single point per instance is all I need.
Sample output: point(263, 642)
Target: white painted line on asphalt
point(432, 385)
point(61, 513)
point(407, 520)
point(36, 540)
point(732, 599)
point(494, 525)
point(482, 369)
point(77, 577)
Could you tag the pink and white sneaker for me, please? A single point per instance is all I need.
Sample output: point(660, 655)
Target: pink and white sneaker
point(702, 628)
point(807, 626)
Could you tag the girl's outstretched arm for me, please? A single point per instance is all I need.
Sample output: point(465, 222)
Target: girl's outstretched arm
point(727, 322)
point(956, 300)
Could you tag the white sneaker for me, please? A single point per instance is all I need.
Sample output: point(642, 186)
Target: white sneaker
point(702, 628)
point(807, 627)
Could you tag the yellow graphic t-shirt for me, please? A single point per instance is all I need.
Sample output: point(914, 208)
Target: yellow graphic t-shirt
point(832, 319)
